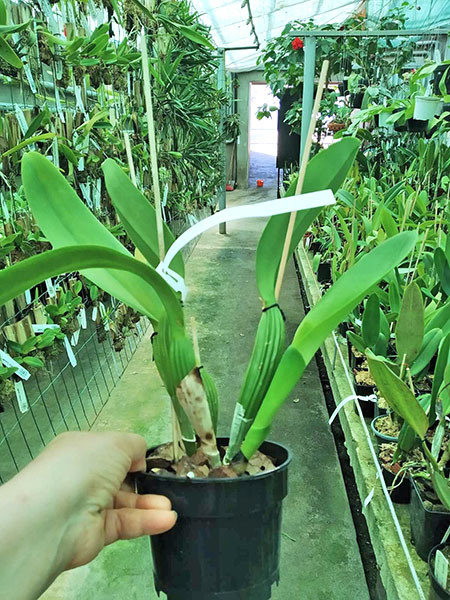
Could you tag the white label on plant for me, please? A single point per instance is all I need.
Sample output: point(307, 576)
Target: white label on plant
point(21, 396)
point(40, 328)
point(55, 151)
point(441, 569)
point(21, 119)
point(8, 361)
point(81, 163)
point(446, 534)
point(58, 104)
point(86, 191)
point(50, 288)
point(79, 99)
point(139, 328)
point(5, 210)
point(94, 313)
point(28, 296)
point(75, 337)
point(104, 317)
point(29, 76)
point(70, 354)
point(129, 83)
point(82, 318)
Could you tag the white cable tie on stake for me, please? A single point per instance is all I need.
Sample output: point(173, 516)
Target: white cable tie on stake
point(248, 211)
point(371, 398)
point(368, 498)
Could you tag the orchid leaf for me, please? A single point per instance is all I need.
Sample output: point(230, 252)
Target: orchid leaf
point(410, 325)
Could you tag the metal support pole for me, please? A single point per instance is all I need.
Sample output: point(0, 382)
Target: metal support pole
point(308, 89)
point(222, 197)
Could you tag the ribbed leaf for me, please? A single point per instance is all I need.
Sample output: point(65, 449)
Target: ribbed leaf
point(443, 269)
point(370, 328)
point(138, 216)
point(442, 488)
point(441, 364)
point(8, 54)
point(429, 348)
point(410, 324)
point(321, 320)
point(25, 274)
point(66, 221)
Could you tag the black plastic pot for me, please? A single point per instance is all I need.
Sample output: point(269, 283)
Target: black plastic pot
point(437, 592)
point(314, 247)
point(343, 87)
point(226, 543)
point(438, 74)
point(324, 272)
point(427, 526)
point(401, 494)
point(367, 406)
point(356, 99)
point(416, 125)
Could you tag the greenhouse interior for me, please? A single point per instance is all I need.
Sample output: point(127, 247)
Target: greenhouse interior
point(180, 175)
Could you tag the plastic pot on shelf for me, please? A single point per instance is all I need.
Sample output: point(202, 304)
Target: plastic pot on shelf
point(437, 592)
point(401, 493)
point(426, 107)
point(226, 543)
point(324, 272)
point(437, 76)
point(381, 437)
point(427, 526)
point(416, 125)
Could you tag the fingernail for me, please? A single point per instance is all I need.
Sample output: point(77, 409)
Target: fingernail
point(176, 515)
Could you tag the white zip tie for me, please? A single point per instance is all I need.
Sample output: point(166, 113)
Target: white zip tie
point(377, 466)
point(371, 398)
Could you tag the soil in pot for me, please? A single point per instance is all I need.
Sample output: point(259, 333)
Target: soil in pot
point(225, 545)
point(429, 518)
point(437, 592)
point(385, 428)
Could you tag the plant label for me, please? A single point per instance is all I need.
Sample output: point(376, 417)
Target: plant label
point(79, 99)
point(104, 316)
point(21, 396)
point(446, 536)
point(29, 76)
point(5, 210)
point(50, 288)
point(40, 328)
point(70, 354)
point(94, 313)
point(55, 151)
point(21, 119)
point(58, 105)
point(28, 296)
point(8, 361)
point(441, 569)
point(82, 318)
point(76, 336)
point(139, 328)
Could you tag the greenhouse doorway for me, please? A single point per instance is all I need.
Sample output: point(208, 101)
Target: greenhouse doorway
point(262, 136)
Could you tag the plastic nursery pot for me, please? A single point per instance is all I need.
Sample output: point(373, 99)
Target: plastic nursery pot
point(401, 493)
point(416, 125)
point(438, 74)
point(426, 107)
point(427, 526)
point(437, 592)
point(324, 273)
point(356, 100)
point(381, 437)
point(226, 543)
point(368, 405)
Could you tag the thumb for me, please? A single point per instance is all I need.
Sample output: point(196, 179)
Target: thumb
point(129, 523)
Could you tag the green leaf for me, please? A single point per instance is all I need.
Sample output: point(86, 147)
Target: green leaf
point(3, 13)
point(192, 34)
point(410, 325)
point(388, 222)
point(8, 54)
point(40, 119)
point(441, 364)
point(442, 269)
point(327, 170)
point(322, 319)
point(441, 487)
point(6, 29)
point(138, 216)
point(28, 142)
point(33, 361)
point(440, 319)
point(370, 328)
point(398, 395)
point(429, 348)
point(27, 273)
point(66, 221)
point(356, 341)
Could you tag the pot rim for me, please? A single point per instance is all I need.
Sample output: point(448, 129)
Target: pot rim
point(380, 435)
point(224, 480)
point(431, 553)
point(437, 512)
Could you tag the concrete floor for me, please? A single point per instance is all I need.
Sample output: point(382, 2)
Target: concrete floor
point(319, 555)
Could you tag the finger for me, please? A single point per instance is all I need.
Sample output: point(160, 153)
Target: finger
point(134, 446)
point(149, 501)
point(129, 523)
point(139, 465)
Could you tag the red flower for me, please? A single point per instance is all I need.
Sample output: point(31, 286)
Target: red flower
point(297, 44)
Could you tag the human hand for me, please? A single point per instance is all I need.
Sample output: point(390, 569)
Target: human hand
point(73, 494)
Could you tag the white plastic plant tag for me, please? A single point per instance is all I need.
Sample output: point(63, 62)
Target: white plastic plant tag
point(70, 354)
point(441, 569)
point(139, 328)
point(79, 99)
point(28, 296)
point(75, 337)
point(21, 119)
point(82, 318)
point(80, 165)
point(40, 328)
point(30, 78)
point(248, 211)
point(446, 536)
point(129, 83)
point(55, 151)
point(21, 396)
point(94, 313)
point(50, 288)
point(8, 361)
point(86, 191)
point(58, 105)
point(104, 317)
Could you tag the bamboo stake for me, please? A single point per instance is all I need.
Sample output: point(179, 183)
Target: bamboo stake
point(152, 142)
point(126, 139)
point(301, 177)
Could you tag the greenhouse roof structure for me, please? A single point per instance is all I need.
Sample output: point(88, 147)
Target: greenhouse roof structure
point(244, 24)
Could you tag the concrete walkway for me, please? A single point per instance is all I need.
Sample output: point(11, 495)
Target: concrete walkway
point(320, 557)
